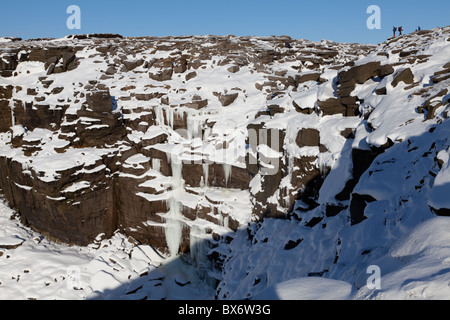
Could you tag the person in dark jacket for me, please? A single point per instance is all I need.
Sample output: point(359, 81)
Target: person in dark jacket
point(395, 30)
point(400, 31)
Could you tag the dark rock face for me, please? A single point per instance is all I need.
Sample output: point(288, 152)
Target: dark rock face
point(332, 106)
point(5, 110)
point(5, 116)
point(308, 77)
point(359, 74)
point(9, 62)
point(108, 127)
point(357, 207)
point(33, 116)
point(78, 220)
point(52, 56)
point(346, 104)
point(362, 160)
point(308, 137)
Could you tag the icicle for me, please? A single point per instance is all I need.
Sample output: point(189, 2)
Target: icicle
point(11, 106)
point(180, 114)
point(223, 215)
point(173, 228)
point(205, 173)
point(226, 221)
point(13, 120)
point(323, 169)
point(227, 169)
point(156, 164)
point(159, 114)
point(193, 126)
point(198, 247)
point(170, 117)
point(177, 168)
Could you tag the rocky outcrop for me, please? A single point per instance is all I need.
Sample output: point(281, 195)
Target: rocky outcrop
point(5, 110)
point(308, 138)
point(148, 139)
point(117, 137)
point(403, 75)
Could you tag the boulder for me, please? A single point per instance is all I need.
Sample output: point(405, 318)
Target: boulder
point(385, 70)
point(308, 138)
point(197, 103)
point(162, 75)
point(359, 74)
point(274, 109)
point(68, 57)
point(332, 106)
point(191, 75)
point(102, 125)
point(132, 64)
point(227, 99)
point(314, 76)
point(403, 75)
point(233, 69)
point(299, 109)
point(99, 101)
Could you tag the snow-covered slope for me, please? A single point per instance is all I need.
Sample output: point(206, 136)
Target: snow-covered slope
point(224, 167)
point(401, 192)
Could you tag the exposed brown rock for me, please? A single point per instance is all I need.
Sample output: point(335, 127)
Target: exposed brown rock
point(233, 69)
point(227, 99)
point(308, 138)
point(315, 76)
point(404, 75)
point(332, 106)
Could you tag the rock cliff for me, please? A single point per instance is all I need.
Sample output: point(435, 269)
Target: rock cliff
point(177, 140)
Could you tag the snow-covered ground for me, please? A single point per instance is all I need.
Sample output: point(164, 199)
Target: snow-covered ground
point(34, 267)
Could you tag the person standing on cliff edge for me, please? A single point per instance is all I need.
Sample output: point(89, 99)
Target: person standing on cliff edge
point(395, 30)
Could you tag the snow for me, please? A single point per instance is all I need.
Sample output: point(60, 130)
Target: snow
point(417, 265)
point(77, 186)
point(438, 198)
point(307, 289)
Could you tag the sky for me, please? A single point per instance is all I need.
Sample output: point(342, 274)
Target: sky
point(336, 20)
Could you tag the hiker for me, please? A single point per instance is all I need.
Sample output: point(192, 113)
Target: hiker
point(395, 30)
point(400, 30)
point(418, 28)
